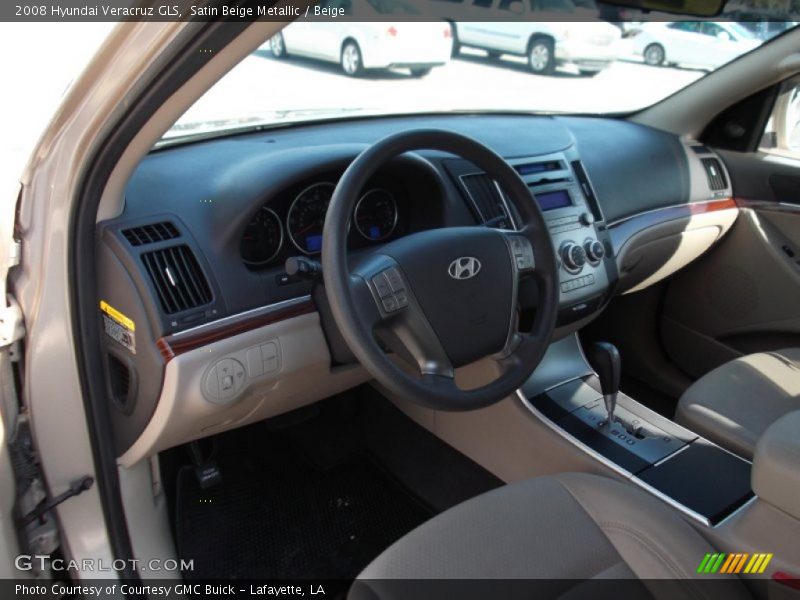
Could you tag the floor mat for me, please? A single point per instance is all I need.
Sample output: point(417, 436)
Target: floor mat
point(277, 515)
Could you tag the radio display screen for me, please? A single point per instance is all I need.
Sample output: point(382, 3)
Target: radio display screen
point(553, 200)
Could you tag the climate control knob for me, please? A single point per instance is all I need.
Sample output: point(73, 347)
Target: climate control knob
point(573, 256)
point(595, 251)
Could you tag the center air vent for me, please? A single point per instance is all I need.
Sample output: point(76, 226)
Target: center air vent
point(715, 174)
point(178, 279)
point(486, 199)
point(149, 234)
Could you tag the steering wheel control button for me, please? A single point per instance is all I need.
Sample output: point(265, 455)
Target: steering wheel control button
point(395, 280)
point(402, 299)
point(381, 284)
point(391, 290)
point(523, 252)
point(390, 304)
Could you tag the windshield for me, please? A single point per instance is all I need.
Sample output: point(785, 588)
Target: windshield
point(378, 57)
point(741, 31)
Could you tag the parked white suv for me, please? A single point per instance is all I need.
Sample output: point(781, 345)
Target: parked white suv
point(590, 45)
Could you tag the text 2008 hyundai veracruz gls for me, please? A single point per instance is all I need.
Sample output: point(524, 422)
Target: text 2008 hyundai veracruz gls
point(483, 334)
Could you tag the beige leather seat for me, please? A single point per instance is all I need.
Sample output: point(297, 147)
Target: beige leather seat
point(736, 402)
point(567, 529)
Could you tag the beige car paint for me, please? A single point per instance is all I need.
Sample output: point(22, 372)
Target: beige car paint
point(42, 282)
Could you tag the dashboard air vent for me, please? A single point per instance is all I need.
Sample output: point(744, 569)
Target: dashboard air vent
point(715, 174)
point(178, 278)
point(486, 198)
point(149, 234)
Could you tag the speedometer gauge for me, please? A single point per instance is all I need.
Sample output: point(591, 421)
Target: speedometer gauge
point(376, 215)
point(307, 217)
point(263, 238)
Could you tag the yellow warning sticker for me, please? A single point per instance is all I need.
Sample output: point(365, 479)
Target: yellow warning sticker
point(117, 316)
point(118, 327)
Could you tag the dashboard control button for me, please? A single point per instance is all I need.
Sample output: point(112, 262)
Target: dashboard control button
point(211, 385)
point(573, 257)
point(269, 354)
point(255, 365)
point(587, 219)
point(595, 251)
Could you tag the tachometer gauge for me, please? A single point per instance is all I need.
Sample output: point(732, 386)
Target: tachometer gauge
point(263, 238)
point(307, 217)
point(376, 215)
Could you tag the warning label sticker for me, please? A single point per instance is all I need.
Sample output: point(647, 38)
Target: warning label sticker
point(118, 327)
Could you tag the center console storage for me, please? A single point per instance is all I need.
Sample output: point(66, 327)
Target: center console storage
point(694, 475)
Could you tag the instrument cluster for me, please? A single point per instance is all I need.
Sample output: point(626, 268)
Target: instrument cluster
point(268, 236)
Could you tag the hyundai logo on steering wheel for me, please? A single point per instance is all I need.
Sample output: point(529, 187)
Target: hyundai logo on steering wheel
point(464, 267)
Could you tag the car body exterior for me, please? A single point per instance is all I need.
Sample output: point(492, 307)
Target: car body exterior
point(762, 29)
point(701, 44)
point(539, 31)
point(358, 41)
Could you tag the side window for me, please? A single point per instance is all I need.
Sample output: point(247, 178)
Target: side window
point(782, 135)
point(716, 31)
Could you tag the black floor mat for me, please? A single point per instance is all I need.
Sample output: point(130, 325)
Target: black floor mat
point(277, 515)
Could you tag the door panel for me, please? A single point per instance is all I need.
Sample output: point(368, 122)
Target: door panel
point(744, 296)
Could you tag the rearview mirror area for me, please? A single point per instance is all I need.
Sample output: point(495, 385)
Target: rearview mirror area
point(695, 8)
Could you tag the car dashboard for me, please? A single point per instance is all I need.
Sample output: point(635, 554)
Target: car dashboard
point(206, 331)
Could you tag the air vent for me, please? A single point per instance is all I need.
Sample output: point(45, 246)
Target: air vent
point(178, 279)
point(149, 234)
point(120, 379)
point(588, 191)
point(486, 199)
point(700, 149)
point(715, 174)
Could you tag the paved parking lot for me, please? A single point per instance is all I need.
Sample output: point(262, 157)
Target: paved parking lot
point(262, 83)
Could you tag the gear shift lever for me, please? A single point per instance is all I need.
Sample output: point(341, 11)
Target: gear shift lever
point(604, 358)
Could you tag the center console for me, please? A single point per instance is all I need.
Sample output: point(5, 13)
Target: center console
point(702, 480)
point(574, 218)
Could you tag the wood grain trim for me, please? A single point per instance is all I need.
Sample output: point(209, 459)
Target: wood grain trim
point(624, 229)
point(699, 208)
point(174, 345)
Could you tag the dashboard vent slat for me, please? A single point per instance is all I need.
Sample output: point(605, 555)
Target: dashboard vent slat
point(716, 176)
point(150, 234)
point(486, 199)
point(177, 278)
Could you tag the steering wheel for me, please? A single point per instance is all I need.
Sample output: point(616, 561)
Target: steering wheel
point(442, 298)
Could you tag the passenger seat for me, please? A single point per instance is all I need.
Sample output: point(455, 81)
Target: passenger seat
point(736, 402)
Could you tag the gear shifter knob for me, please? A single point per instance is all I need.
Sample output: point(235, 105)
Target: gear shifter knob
point(605, 360)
